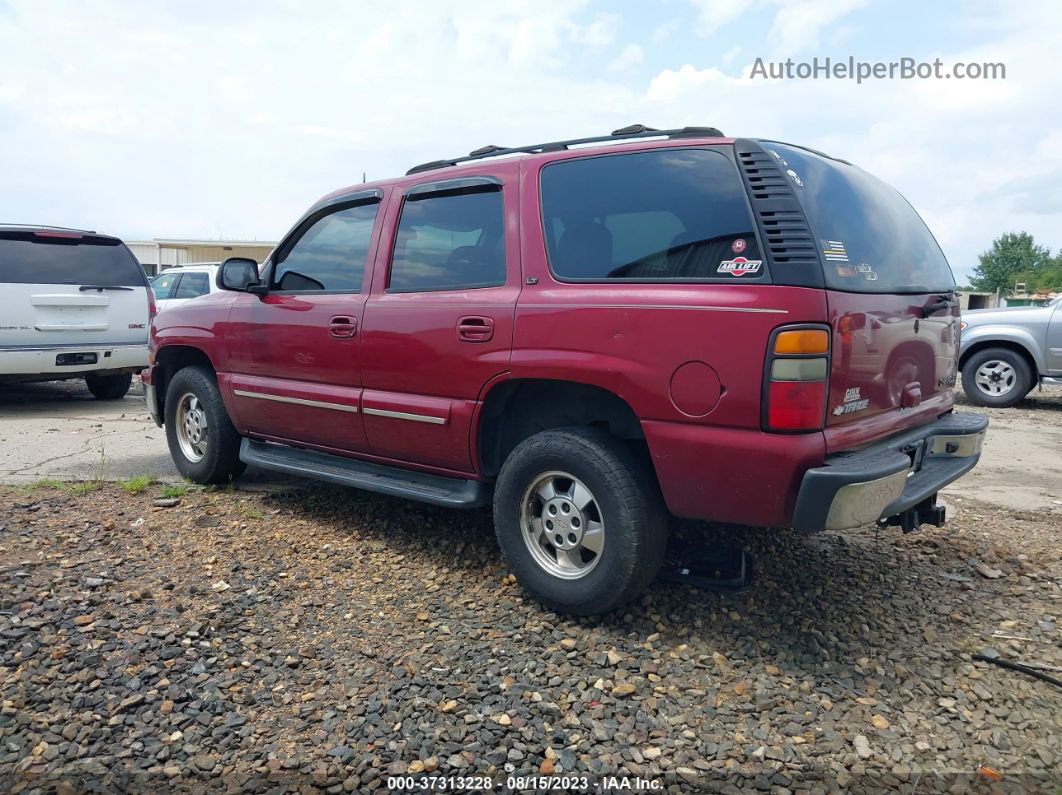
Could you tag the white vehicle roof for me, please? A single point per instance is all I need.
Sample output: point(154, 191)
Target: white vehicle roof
point(191, 266)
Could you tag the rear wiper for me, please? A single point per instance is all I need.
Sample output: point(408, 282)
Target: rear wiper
point(101, 287)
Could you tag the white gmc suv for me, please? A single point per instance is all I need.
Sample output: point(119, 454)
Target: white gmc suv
point(73, 304)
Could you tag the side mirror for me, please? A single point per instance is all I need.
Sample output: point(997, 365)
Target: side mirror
point(238, 273)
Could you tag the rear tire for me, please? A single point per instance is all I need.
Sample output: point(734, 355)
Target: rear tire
point(108, 387)
point(556, 491)
point(204, 445)
point(996, 377)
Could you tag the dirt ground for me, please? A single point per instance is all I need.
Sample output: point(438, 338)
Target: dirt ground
point(1022, 464)
point(315, 639)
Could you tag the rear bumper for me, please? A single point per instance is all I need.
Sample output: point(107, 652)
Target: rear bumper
point(44, 361)
point(890, 477)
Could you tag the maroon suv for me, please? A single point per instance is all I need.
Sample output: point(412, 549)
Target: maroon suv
point(591, 334)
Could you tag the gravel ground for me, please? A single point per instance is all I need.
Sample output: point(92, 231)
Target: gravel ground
point(319, 639)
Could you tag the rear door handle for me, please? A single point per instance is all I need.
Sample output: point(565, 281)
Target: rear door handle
point(936, 303)
point(475, 328)
point(343, 327)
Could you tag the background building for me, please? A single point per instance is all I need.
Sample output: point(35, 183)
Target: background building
point(159, 254)
point(974, 299)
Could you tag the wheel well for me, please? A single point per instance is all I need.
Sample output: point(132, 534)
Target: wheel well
point(1013, 346)
point(172, 358)
point(515, 410)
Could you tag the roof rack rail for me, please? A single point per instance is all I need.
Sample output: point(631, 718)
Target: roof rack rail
point(50, 226)
point(631, 131)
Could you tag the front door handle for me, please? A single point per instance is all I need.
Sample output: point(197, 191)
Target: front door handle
point(343, 327)
point(474, 328)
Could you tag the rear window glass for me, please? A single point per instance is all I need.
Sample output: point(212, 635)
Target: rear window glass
point(665, 215)
point(870, 238)
point(27, 259)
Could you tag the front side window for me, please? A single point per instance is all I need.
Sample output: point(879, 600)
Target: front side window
point(449, 241)
point(331, 254)
point(193, 285)
point(664, 215)
point(163, 284)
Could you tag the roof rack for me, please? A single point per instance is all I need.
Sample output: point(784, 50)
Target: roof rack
point(631, 131)
point(49, 226)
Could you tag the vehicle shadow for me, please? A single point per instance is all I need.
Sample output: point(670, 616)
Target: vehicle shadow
point(819, 603)
point(45, 393)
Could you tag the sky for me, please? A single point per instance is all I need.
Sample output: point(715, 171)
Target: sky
point(185, 118)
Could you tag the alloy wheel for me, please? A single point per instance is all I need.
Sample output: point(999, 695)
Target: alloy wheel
point(562, 525)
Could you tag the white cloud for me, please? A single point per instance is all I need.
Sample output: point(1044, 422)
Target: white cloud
point(598, 33)
point(674, 84)
point(798, 24)
point(714, 14)
point(187, 119)
point(664, 31)
point(975, 157)
point(182, 121)
point(631, 56)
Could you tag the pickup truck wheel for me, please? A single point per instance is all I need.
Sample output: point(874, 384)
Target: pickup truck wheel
point(996, 377)
point(580, 519)
point(204, 445)
point(108, 387)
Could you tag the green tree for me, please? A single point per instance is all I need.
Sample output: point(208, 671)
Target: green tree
point(1013, 257)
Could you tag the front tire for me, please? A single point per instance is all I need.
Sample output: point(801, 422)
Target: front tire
point(996, 377)
point(580, 519)
point(108, 387)
point(204, 445)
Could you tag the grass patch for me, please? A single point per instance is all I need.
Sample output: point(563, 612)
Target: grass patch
point(136, 485)
point(174, 490)
point(44, 483)
point(86, 486)
point(213, 488)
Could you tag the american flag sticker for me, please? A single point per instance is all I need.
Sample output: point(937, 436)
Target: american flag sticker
point(834, 250)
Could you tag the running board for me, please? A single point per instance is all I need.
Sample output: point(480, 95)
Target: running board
point(433, 489)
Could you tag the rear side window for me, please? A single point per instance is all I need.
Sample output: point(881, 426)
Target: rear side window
point(665, 215)
point(193, 285)
point(449, 241)
point(26, 258)
point(331, 254)
point(164, 283)
point(870, 238)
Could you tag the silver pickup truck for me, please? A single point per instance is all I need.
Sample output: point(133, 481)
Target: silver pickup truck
point(1004, 353)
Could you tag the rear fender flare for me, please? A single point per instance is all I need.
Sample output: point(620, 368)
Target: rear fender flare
point(985, 336)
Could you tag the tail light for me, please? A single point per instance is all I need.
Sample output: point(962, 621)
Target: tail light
point(153, 308)
point(795, 379)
